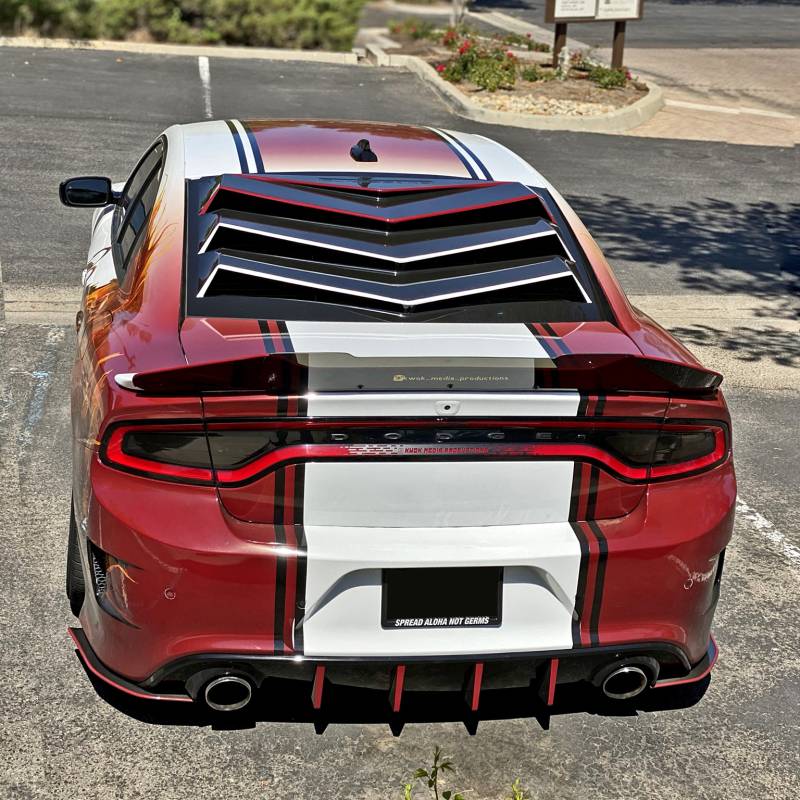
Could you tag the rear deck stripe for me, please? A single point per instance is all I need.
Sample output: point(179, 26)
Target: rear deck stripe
point(556, 340)
point(302, 555)
point(443, 136)
point(280, 562)
point(481, 165)
point(259, 161)
point(597, 601)
point(237, 139)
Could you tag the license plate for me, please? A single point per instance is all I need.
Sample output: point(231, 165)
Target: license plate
point(442, 597)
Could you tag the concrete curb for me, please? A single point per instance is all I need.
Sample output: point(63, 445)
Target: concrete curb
point(506, 22)
point(618, 121)
point(271, 54)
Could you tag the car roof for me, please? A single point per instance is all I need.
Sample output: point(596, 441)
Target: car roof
point(235, 146)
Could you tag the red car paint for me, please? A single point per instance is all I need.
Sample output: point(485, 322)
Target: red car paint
point(199, 564)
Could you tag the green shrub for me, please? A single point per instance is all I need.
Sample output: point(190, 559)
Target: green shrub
point(531, 73)
point(492, 74)
point(607, 78)
point(453, 71)
point(324, 24)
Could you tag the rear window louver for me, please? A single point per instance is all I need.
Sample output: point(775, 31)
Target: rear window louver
point(397, 250)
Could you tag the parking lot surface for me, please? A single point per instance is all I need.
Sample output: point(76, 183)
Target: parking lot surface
point(703, 236)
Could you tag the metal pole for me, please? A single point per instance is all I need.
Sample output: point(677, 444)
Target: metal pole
point(559, 41)
point(617, 54)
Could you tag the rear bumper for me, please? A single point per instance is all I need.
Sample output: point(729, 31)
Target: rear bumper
point(547, 671)
point(194, 582)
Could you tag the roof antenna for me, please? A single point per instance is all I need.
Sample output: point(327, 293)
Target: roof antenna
point(361, 151)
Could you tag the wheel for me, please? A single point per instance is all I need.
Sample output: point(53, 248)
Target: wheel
point(75, 584)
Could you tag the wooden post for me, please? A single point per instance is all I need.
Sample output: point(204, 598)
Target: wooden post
point(617, 53)
point(559, 42)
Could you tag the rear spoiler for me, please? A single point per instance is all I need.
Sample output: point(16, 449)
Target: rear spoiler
point(282, 374)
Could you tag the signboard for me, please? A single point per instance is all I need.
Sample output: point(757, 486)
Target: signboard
point(592, 10)
point(574, 9)
point(618, 9)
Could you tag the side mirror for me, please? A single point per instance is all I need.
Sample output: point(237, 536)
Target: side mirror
point(87, 192)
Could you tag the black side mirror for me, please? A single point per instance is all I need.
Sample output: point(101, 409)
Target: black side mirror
point(87, 192)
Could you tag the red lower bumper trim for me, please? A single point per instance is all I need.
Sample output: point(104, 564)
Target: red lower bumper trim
point(316, 690)
point(699, 671)
point(552, 679)
point(474, 687)
point(396, 690)
point(95, 666)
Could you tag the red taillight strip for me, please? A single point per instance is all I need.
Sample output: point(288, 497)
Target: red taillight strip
point(113, 453)
point(367, 452)
point(681, 467)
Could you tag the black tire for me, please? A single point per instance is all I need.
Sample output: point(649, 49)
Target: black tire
point(76, 588)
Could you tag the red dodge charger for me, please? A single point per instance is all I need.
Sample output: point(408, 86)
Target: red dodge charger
point(360, 402)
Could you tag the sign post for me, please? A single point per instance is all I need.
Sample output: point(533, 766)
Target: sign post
point(562, 12)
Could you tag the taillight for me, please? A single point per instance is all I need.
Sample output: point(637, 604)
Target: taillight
point(168, 452)
point(235, 453)
point(683, 449)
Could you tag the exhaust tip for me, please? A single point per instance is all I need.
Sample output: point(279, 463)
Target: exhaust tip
point(625, 682)
point(228, 693)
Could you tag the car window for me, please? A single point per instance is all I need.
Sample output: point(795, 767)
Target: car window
point(138, 199)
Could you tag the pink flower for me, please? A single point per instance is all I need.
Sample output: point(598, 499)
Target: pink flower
point(440, 67)
point(529, 35)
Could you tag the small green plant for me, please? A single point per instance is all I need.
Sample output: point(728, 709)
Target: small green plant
point(517, 792)
point(432, 778)
point(531, 73)
point(411, 28)
point(518, 40)
point(492, 74)
point(453, 71)
point(607, 78)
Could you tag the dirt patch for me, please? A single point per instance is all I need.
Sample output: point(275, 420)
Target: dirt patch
point(575, 96)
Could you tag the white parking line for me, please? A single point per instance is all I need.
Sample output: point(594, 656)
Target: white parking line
point(768, 531)
point(727, 109)
point(205, 78)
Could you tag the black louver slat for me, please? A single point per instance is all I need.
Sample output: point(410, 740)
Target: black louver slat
point(405, 245)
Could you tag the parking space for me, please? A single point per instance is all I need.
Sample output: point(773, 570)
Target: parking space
point(688, 225)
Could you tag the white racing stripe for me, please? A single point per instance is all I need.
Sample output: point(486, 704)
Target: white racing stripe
point(343, 590)
point(435, 404)
point(209, 149)
point(502, 163)
point(450, 138)
point(445, 493)
point(415, 339)
point(248, 148)
point(363, 517)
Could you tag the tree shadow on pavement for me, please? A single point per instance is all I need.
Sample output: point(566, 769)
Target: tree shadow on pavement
point(749, 344)
point(718, 246)
point(289, 701)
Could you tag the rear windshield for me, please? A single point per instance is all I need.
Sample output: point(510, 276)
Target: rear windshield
point(405, 248)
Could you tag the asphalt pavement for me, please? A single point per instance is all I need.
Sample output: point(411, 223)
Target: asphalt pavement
point(703, 236)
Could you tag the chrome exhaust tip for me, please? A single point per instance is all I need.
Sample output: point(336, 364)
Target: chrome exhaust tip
point(625, 682)
point(228, 693)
